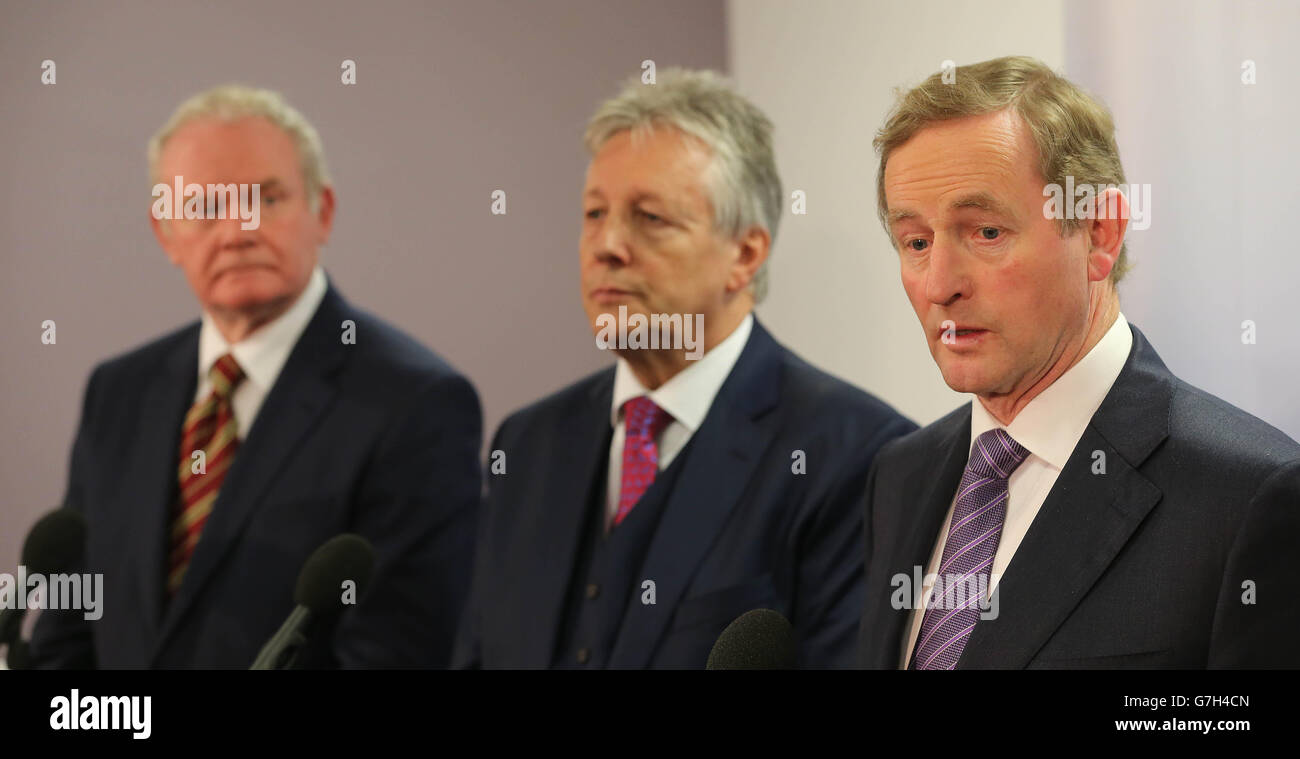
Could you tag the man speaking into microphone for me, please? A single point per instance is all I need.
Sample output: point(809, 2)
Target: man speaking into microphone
point(211, 462)
point(1087, 509)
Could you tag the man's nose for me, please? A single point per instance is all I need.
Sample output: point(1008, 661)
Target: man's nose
point(946, 280)
point(613, 242)
point(231, 234)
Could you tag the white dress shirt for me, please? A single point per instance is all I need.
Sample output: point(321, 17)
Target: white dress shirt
point(1049, 427)
point(261, 355)
point(687, 397)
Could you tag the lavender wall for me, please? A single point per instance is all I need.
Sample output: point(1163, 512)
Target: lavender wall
point(453, 100)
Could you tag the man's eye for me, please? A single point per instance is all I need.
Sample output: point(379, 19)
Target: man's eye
point(593, 213)
point(916, 245)
point(653, 218)
point(990, 233)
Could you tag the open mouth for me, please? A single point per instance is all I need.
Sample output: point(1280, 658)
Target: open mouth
point(962, 337)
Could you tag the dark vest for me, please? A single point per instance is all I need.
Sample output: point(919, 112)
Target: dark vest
point(606, 576)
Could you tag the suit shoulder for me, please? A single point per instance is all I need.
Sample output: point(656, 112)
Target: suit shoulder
point(147, 357)
point(1228, 439)
point(821, 397)
point(925, 441)
point(561, 404)
point(396, 360)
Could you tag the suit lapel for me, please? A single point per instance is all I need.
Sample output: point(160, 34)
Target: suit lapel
point(724, 452)
point(1086, 519)
point(292, 408)
point(584, 439)
point(153, 464)
point(919, 524)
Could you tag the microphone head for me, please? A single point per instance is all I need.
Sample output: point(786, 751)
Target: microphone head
point(757, 639)
point(55, 543)
point(320, 583)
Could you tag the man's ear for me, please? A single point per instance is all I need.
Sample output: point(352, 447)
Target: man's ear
point(1106, 231)
point(325, 214)
point(163, 235)
point(751, 251)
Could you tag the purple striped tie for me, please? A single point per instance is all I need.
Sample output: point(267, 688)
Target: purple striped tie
point(968, 552)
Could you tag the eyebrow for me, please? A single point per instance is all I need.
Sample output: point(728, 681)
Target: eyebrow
point(639, 195)
point(901, 215)
point(980, 200)
point(983, 201)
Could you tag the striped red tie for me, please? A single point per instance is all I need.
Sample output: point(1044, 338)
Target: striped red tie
point(644, 420)
point(209, 430)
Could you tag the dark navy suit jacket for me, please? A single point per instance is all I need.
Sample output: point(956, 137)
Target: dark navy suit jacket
point(1180, 555)
point(380, 438)
point(739, 530)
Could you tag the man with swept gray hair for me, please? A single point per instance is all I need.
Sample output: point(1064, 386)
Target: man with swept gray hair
point(710, 471)
point(211, 462)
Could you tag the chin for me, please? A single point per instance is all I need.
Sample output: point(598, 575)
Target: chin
point(963, 378)
point(594, 311)
point(248, 292)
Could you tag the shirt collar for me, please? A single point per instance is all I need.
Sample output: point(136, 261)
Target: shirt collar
point(1052, 423)
point(262, 354)
point(688, 394)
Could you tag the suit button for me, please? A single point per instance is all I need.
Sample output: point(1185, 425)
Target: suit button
point(593, 590)
point(583, 655)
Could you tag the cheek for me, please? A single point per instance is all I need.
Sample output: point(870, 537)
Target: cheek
point(1047, 259)
point(1049, 283)
point(1017, 305)
point(714, 262)
point(195, 256)
point(288, 245)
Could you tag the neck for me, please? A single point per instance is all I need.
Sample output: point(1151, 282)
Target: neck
point(1103, 310)
point(653, 368)
point(236, 325)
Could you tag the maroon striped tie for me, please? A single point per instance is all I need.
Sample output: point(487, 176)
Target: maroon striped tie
point(210, 429)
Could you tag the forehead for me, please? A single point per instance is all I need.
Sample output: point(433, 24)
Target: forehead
point(213, 145)
point(661, 160)
point(991, 154)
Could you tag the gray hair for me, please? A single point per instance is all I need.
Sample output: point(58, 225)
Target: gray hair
point(744, 186)
point(231, 102)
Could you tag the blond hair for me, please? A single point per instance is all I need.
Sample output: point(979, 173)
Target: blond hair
point(1074, 133)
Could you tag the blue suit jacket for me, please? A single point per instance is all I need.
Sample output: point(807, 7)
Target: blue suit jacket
point(740, 529)
point(380, 438)
point(1141, 565)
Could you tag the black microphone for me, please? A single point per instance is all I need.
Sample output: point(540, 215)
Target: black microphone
point(757, 639)
point(54, 546)
point(318, 597)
